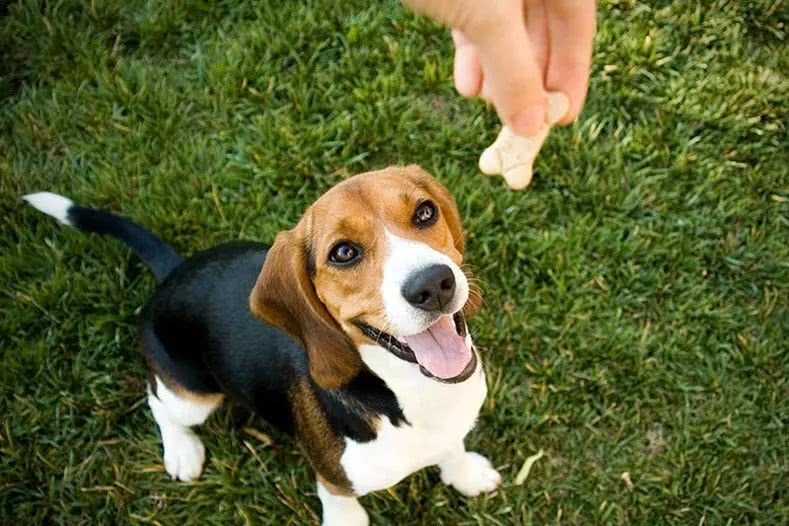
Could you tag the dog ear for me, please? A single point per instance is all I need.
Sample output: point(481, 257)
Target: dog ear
point(284, 297)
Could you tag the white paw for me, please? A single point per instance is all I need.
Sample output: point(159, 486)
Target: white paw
point(184, 455)
point(471, 475)
point(347, 516)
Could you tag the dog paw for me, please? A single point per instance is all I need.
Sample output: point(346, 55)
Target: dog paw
point(184, 455)
point(471, 475)
point(347, 516)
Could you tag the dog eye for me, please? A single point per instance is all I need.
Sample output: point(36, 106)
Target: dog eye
point(425, 215)
point(344, 253)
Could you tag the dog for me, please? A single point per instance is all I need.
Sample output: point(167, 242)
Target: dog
point(347, 332)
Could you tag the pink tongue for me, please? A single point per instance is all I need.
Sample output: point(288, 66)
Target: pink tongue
point(440, 349)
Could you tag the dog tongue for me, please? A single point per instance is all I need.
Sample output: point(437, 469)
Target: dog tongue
point(440, 349)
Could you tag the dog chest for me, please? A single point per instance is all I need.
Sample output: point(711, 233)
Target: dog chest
point(439, 416)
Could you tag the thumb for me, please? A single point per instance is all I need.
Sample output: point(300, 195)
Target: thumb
point(512, 76)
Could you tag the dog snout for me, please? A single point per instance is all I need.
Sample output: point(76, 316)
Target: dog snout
point(430, 289)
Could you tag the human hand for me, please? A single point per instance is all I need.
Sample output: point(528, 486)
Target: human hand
point(512, 51)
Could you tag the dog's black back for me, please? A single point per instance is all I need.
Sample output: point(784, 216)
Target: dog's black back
point(198, 330)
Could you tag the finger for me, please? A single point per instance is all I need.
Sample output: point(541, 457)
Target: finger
point(537, 28)
point(468, 70)
point(512, 75)
point(571, 26)
point(458, 38)
point(451, 13)
point(484, 94)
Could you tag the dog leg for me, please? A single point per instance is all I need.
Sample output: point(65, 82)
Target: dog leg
point(175, 414)
point(468, 472)
point(339, 510)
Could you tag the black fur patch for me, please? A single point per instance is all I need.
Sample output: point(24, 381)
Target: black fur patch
point(155, 253)
point(350, 409)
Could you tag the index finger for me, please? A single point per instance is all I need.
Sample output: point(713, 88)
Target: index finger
point(513, 79)
point(572, 27)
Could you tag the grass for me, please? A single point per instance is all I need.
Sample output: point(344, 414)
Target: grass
point(637, 294)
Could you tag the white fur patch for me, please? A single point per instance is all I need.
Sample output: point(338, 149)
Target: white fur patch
point(439, 415)
point(52, 204)
point(182, 411)
point(184, 453)
point(404, 257)
point(341, 511)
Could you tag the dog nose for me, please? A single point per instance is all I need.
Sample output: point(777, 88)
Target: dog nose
point(431, 288)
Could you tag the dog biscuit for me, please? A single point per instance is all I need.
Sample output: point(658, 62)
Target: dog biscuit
point(513, 156)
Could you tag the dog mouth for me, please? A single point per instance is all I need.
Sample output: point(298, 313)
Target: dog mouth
point(441, 350)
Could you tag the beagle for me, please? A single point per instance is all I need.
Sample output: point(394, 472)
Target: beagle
point(346, 333)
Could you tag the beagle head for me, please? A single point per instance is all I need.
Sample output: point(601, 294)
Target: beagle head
point(375, 260)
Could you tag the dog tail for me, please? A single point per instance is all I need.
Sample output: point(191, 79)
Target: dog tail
point(155, 253)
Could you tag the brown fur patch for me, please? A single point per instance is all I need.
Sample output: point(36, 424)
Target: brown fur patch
point(322, 446)
point(334, 489)
point(284, 296)
point(210, 399)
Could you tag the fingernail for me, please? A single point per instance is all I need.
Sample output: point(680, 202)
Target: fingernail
point(529, 121)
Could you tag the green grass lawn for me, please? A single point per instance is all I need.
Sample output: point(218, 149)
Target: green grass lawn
point(637, 295)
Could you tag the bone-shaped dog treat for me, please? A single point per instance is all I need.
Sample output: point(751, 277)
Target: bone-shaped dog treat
point(512, 155)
